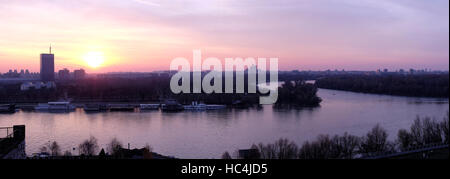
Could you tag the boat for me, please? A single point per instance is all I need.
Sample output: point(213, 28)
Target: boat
point(215, 107)
point(95, 107)
point(121, 107)
point(7, 108)
point(195, 106)
point(149, 106)
point(55, 106)
point(171, 105)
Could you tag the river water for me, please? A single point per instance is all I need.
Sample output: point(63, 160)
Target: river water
point(208, 134)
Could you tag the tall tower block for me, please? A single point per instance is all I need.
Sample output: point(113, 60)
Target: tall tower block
point(48, 66)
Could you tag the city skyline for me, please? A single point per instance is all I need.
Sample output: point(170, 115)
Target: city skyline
point(146, 35)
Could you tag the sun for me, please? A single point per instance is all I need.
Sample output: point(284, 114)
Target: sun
point(94, 59)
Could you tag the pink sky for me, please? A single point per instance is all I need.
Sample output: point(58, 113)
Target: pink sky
point(145, 35)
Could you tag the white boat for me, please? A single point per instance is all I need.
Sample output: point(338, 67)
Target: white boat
point(149, 106)
point(55, 106)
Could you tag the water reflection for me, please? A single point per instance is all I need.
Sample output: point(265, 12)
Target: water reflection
point(208, 134)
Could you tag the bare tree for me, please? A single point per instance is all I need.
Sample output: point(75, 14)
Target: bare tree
point(281, 149)
point(286, 149)
point(321, 148)
point(405, 140)
point(114, 147)
point(51, 148)
point(417, 133)
point(54, 148)
point(67, 153)
point(427, 131)
point(89, 147)
point(346, 145)
point(324, 147)
point(444, 128)
point(267, 151)
point(375, 142)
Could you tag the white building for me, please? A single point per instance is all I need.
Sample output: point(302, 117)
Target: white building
point(37, 85)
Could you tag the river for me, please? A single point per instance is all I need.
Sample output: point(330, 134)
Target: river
point(211, 133)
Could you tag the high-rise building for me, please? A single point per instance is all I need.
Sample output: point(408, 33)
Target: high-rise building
point(64, 74)
point(48, 66)
point(79, 74)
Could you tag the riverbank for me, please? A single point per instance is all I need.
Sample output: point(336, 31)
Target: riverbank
point(413, 85)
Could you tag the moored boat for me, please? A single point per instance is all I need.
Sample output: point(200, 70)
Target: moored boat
point(149, 106)
point(195, 106)
point(121, 107)
point(215, 107)
point(171, 106)
point(55, 106)
point(95, 107)
point(7, 108)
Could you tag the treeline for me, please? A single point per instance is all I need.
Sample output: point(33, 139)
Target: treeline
point(89, 149)
point(420, 85)
point(423, 132)
point(150, 89)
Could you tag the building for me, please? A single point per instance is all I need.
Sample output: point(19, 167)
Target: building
point(64, 74)
point(48, 66)
point(37, 86)
point(79, 74)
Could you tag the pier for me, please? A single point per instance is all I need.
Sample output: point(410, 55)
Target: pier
point(12, 142)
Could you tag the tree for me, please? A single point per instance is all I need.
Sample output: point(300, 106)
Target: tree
point(444, 128)
point(346, 145)
point(297, 94)
point(114, 147)
point(405, 139)
point(286, 149)
point(51, 148)
point(375, 142)
point(281, 149)
point(148, 152)
point(427, 131)
point(431, 131)
point(54, 148)
point(67, 153)
point(89, 147)
point(321, 148)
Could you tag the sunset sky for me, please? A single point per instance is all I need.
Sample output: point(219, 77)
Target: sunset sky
point(145, 35)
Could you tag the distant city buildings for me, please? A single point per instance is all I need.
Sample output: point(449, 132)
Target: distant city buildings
point(64, 74)
point(135, 75)
point(23, 74)
point(79, 74)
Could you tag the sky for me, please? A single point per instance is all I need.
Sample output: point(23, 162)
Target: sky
point(145, 35)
